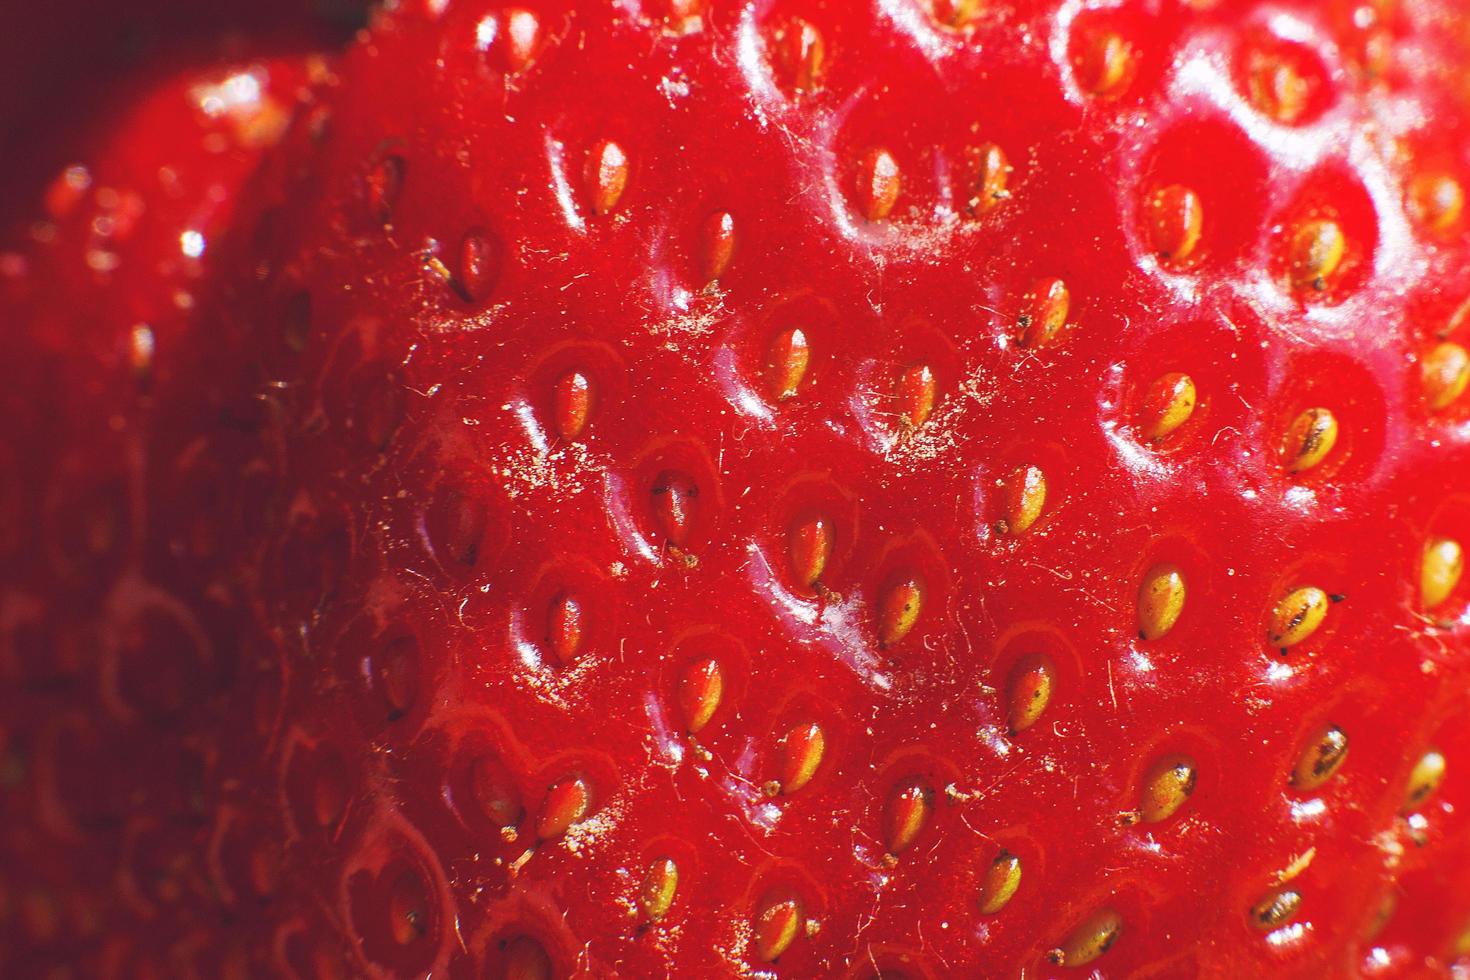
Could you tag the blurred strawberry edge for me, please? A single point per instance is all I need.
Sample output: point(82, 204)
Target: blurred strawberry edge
point(66, 66)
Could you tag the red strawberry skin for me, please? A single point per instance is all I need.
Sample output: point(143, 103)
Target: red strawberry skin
point(448, 588)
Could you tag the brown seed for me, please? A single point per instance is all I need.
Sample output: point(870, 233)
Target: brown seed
point(383, 185)
point(1440, 571)
point(1174, 217)
point(1314, 253)
point(800, 58)
point(479, 265)
point(494, 793)
point(1437, 201)
point(900, 610)
point(1324, 755)
point(607, 176)
point(1104, 63)
point(526, 959)
point(990, 178)
point(1297, 616)
point(1088, 941)
point(1160, 601)
point(1002, 879)
point(700, 690)
point(408, 909)
point(1311, 437)
point(660, 883)
point(510, 40)
point(1428, 773)
point(777, 923)
point(718, 244)
point(801, 751)
point(1446, 373)
point(571, 403)
point(786, 364)
point(674, 498)
point(878, 184)
point(1276, 909)
point(1168, 404)
point(809, 545)
point(1044, 312)
point(915, 391)
point(909, 807)
point(398, 675)
point(1023, 495)
point(564, 628)
point(567, 802)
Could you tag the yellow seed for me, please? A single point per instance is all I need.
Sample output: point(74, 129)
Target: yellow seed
point(700, 690)
point(1104, 63)
point(1002, 879)
point(1088, 941)
point(1444, 563)
point(900, 611)
point(1461, 946)
point(1424, 780)
point(659, 885)
point(1029, 691)
point(908, 810)
point(802, 749)
point(1323, 757)
point(1168, 404)
point(1276, 88)
point(1160, 601)
point(681, 16)
point(1315, 252)
point(1437, 201)
point(957, 14)
point(777, 923)
point(1310, 438)
point(1446, 373)
point(1168, 786)
point(1023, 497)
point(1297, 616)
point(786, 364)
point(1387, 906)
point(1275, 909)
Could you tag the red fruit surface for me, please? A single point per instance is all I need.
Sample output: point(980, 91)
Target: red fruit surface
point(672, 489)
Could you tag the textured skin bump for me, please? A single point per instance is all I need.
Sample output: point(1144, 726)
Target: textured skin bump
point(392, 452)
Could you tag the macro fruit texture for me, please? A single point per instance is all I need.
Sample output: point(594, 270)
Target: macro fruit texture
point(796, 489)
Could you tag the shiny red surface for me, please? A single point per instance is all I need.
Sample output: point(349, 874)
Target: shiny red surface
point(283, 688)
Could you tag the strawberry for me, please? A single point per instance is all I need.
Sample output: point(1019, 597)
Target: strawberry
point(907, 489)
